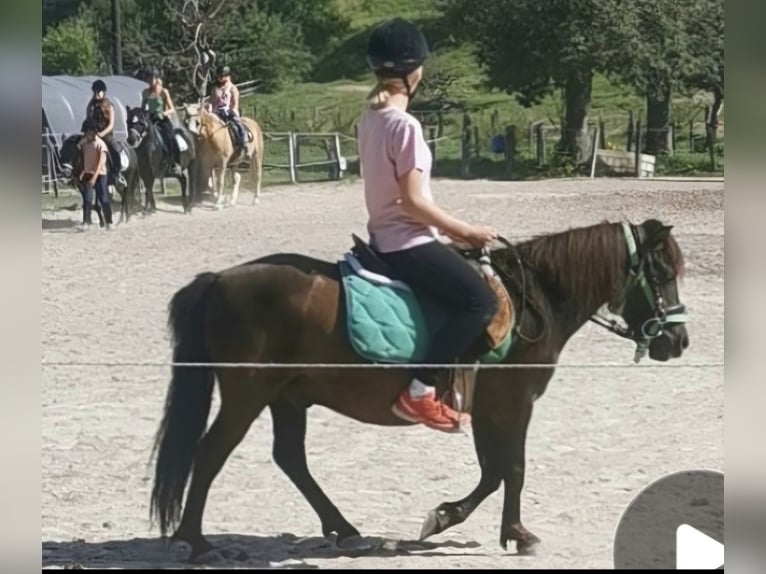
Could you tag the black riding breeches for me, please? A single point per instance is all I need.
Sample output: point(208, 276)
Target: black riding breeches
point(439, 273)
point(168, 133)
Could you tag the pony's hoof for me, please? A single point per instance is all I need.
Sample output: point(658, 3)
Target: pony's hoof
point(354, 543)
point(526, 542)
point(430, 526)
point(437, 521)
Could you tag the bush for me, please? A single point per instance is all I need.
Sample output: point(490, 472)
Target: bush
point(71, 48)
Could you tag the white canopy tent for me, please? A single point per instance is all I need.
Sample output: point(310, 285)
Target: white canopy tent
point(65, 99)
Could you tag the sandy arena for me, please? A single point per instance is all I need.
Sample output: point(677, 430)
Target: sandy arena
point(105, 297)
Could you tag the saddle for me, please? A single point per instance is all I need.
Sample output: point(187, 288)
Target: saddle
point(239, 146)
point(178, 135)
point(382, 309)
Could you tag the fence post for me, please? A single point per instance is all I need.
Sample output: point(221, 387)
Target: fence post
point(597, 139)
point(291, 156)
point(671, 135)
point(465, 163)
point(601, 141)
point(691, 136)
point(510, 150)
point(356, 138)
point(638, 147)
point(296, 153)
point(540, 144)
point(710, 143)
point(337, 155)
point(432, 145)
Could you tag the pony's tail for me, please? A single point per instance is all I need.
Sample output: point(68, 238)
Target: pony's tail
point(187, 404)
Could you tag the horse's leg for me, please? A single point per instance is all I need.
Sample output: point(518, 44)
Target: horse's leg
point(219, 175)
point(148, 179)
point(183, 181)
point(449, 514)
point(256, 174)
point(130, 192)
point(289, 451)
point(240, 406)
point(512, 462)
point(235, 187)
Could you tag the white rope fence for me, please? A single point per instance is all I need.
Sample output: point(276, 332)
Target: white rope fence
point(478, 366)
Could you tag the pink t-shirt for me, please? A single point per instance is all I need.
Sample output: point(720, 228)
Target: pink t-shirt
point(391, 143)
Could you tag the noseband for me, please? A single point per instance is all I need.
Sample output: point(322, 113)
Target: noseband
point(640, 276)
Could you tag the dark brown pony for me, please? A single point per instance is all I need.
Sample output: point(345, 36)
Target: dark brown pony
point(287, 308)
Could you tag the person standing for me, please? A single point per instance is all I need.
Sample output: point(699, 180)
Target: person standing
point(93, 176)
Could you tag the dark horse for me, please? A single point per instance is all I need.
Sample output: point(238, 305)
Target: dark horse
point(154, 157)
point(288, 308)
point(71, 164)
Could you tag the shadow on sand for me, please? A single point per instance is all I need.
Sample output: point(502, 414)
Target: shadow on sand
point(279, 552)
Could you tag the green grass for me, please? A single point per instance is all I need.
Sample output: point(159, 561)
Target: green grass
point(336, 106)
point(334, 100)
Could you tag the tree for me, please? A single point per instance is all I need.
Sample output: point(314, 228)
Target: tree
point(56, 11)
point(262, 45)
point(705, 32)
point(654, 58)
point(530, 48)
point(320, 21)
point(71, 48)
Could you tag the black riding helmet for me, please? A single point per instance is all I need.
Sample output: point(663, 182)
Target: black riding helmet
point(396, 49)
point(98, 86)
point(224, 71)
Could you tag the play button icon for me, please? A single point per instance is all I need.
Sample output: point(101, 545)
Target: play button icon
point(675, 523)
point(695, 550)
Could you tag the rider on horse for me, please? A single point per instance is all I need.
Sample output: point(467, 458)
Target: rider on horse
point(225, 103)
point(101, 111)
point(403, 218)
point(156, 99)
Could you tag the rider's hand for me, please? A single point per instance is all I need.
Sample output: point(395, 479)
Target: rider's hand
point(479, 235)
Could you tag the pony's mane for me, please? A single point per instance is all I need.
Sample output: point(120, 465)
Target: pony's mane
point(587, 262)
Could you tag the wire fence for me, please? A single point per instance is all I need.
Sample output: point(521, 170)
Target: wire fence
point(463, 145)
point(374, 366)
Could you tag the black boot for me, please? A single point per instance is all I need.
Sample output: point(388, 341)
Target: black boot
point(108, 216)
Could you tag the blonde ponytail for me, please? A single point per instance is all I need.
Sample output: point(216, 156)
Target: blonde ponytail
point(382, 92)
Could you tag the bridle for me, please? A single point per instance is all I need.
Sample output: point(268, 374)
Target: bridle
point(146, 121)
point(639, 277)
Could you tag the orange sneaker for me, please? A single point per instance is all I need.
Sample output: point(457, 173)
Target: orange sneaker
point(428, 410)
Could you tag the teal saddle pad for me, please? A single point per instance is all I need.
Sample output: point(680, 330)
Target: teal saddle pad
point(386, 323)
